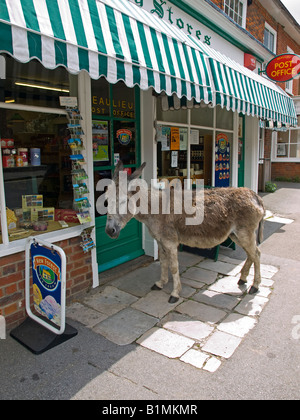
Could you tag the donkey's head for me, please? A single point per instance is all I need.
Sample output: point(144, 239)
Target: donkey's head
point(117, 196)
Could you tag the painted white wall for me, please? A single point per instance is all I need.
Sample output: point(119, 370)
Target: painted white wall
point(85, 100)
point(148, 155)
point(251, 152)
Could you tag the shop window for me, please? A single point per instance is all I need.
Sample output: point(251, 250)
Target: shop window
point(236, 10)
point(115, 127)
point(287, 144)
point(203, 116)
point(33, 84)
point(176, 115)
point(224, 118)
point(37, 175)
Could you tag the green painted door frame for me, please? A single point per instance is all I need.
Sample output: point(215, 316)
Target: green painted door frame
point(241, 152)
point(113, 252)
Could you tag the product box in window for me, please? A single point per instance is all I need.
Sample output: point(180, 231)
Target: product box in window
point(42, 214)
point(30, 201)
point(66, 215)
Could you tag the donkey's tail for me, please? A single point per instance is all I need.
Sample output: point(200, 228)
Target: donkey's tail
point(260, 232)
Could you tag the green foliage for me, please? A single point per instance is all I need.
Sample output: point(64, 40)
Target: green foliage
point(270, 187)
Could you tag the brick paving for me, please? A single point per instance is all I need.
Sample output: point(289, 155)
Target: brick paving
point(203, 329)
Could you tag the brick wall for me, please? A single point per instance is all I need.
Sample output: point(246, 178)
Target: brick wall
point(12, 280)
point(257, 15)
point(285, 169)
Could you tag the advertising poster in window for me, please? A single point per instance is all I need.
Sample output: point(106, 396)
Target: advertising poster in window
point(100, 141)
point(222, 161)
point(175, 138)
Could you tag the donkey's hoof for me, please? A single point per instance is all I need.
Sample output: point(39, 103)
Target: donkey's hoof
point(173, 299)
point(242, 282)
point(253, 290)
point(155, 287)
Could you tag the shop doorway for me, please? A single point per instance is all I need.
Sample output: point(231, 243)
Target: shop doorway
point(116, 135)
point(241, 152)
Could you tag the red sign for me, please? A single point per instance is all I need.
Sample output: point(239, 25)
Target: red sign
point(249, 61)
point(283, 68)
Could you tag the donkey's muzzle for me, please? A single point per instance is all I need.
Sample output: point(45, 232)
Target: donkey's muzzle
point(112, 231)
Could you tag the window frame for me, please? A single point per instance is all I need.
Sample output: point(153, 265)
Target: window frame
point(275, 157)
point(271, 30)
point(7, 247)
point(243, 17)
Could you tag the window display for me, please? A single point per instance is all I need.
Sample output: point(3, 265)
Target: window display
point(37, 172)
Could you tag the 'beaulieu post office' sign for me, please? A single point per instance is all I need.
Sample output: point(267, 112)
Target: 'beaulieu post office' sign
point(283, 67)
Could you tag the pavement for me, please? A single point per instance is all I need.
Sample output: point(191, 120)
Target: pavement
point(216, 342)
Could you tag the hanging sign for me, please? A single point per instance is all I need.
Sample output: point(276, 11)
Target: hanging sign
point(283, 68)
point(48, 263)
point(222, 161)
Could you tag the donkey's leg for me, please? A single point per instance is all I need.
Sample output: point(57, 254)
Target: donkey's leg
point(257, 277)
point(164, 267)
point(246, 267)
point(248, 243)
point(174, 268)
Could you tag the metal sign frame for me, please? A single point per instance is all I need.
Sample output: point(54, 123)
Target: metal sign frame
point(28, 264)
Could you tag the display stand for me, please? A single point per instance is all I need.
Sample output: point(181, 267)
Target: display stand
point(46, 327)
point(38, 339)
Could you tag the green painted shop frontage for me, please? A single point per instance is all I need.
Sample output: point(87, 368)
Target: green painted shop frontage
point(116, 135)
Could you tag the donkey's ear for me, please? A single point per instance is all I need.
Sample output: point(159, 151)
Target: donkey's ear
point(119, 168)
point(137, 173)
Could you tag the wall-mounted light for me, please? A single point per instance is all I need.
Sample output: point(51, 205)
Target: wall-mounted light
point(41, 87)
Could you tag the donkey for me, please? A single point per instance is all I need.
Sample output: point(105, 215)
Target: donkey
point(227, 212)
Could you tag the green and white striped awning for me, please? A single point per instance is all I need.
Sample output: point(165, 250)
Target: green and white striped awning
point(239, 89)
point(110, 38)
point(120, 41)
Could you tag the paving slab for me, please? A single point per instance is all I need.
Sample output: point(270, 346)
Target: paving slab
point(220, 300)
point(212, 365)
point(139, 282)
point(185, 292)
point(192, 283)
point(155, 303)
point(229, 285)
point(165, 342)
point(186, 326)
point(110, 301)
point(265, 271)
point(251, 305)
point(200, 275)
point(222, 344)
point(201, 312)
point(187, 259)
point(86, 316)
point(204, 327)
point(237, 324)
point(125, 326)
point(195, 358)
point(221, 267)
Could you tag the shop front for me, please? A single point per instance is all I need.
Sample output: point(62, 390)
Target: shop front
point(144, 91)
